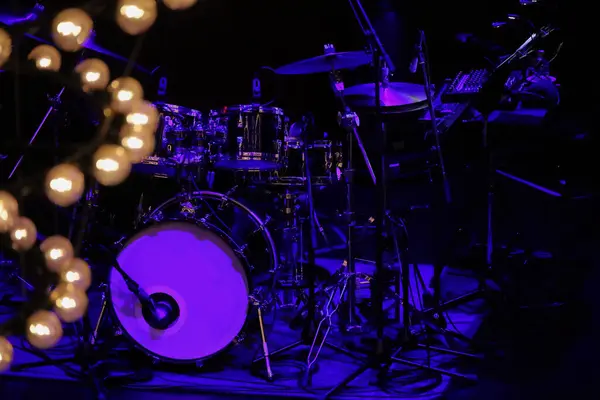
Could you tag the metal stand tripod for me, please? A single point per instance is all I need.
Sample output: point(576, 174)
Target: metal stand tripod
point(313, 335)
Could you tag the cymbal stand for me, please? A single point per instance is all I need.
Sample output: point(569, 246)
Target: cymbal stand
point(311, 332)
point(349, 121)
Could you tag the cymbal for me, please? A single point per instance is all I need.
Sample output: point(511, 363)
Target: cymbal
point(326, 63)
point(393, 95)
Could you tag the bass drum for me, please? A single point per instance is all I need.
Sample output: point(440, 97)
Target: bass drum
point(199, 257)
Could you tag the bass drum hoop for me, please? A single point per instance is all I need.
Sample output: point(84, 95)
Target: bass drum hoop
point(148, 222)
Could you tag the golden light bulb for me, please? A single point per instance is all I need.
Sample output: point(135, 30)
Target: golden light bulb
point(64, 184)
point(43, 329)
point(6, 354)
point(94, 74)
point(78, 273)
point(46, 58)
point(139, 142)
point(9, 211)
point(23, 234)
point(58, 251)
point(143, 114)
point(69, 302)
point(136, 16)
point(179, 4)
point(125, 93)
point(71, 28)
point(111, 164)
point(5, 46)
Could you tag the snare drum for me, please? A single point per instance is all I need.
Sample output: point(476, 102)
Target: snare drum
point(254, 138)
point(325, 162)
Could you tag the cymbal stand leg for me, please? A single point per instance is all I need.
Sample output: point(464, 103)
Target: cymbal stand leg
point(265, 345)
point(325, 325)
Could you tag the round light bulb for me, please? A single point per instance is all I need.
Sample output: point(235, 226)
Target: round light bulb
point(111, 164)
point(43, 329)
point(136, 16)
point(69, 302)
point(58, 251)
point(94, 74)
point(179, 4)
point(143, 114)
point(78, 273)
point(5, 46)
point(23, 234)
point(138, 142)
point(64, 184)
point(46, 58)
point(6, 354)
point(9, 211)
point(71, 28)
point(125, 93)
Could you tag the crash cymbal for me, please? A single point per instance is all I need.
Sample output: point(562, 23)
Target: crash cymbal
point(393, 95)
point(326, 63)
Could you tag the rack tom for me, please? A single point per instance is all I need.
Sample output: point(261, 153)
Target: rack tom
point(254, 138)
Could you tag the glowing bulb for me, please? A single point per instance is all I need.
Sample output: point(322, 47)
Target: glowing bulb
point(46, 58)
point(111, 164)
point(64, 184)
point(69, 302)
point(94, 74)
point(126, 92)
point(78, 273)
point(43, 329)
point(6, 354)
point(58, 252)
point(23, 234)
point(71, 28)
point(5, 46)
point(138, 141)
point(143, 114)
point(179, 4)
point(136, 16)
point(9, 211)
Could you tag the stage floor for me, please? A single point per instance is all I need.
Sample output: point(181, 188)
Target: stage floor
point(232, 377)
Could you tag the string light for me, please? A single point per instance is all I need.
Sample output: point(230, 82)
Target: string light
point(125, 93)
point(5, 46)
point(136, 16)
point(6, 354)
point(71, 28)
point(94, 74)
point(58, 251)
point(179, 4)
point(111, 164)
point(139, 144)
point(46, 58)
point(9, 211)
point(78, 273)
point(69, 302)
point(43, 329)
point(23, 234)
point(64, 184)
point(144, 115)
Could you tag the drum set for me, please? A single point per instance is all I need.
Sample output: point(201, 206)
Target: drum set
point(202, 264)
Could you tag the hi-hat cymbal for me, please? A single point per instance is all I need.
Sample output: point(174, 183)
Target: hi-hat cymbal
point(326, 63)
point(393, 95)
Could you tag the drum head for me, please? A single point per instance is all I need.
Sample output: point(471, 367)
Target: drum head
point(200, 272)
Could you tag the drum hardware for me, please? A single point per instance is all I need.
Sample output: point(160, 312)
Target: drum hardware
point(349, 121)
point(311, 328)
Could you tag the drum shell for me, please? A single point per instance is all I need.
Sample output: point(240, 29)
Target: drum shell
point(254, 133)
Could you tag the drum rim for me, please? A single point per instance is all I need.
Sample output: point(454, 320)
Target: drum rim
point(148, 222)
point(255, 107)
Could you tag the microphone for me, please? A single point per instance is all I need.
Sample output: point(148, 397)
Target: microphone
point(414, 64)
point(256, 92)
